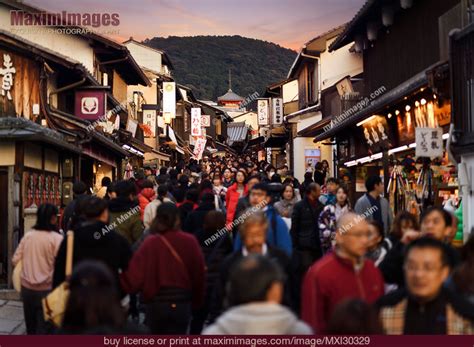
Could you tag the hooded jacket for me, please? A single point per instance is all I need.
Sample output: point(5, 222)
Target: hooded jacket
point(256, 319)
point(125, 219)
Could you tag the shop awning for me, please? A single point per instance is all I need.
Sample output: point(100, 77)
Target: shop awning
point(314, 129)
point(256, 141)
point(236, 132)
point(16, 128)
point(390, 97)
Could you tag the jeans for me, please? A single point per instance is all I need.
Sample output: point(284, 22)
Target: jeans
point(169, 313)
point(33, 311)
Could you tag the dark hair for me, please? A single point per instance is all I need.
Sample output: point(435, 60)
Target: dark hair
point(110, 189)
point(332, 180)
point(448, 218)
point(260, 186)
point(207, 198)
point(163, 170)
point(93, 207)
point(284, 188)
point(244, 173)
point(346, 191)
point(399, 219)
point(253, 177)
point(167, 218)
point(193, 195)
point(106, 181)
point(312, 186)
point(463, 276)
point(371, 182)
point(251, 278)
point(162, 192)
point(173, 174)
point(94, 300)
point(318, 166)
point(183, 180)
point(146, 184)
point(308, 176)
point(428, 242)
point(269, 168)
point(125, 188)
point(276, 178)
point(377, 226)
point(43, 217)
point(354, 317)
point(213, 221)
point(205, 185)
point(79, 188)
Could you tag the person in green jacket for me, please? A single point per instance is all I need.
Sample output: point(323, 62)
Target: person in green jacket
point(125, 212)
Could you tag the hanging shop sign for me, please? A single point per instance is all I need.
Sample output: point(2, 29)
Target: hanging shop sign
point(196, 121)
point(443, 113)
point(169, 100)
point(132, 126)
point(277, 110)
point(149, 120)
point(6, 72)
point(199, 147)
point(90, 104)
point(376, 133)
point(429, 142)
point(262, 110)
point(206, 120)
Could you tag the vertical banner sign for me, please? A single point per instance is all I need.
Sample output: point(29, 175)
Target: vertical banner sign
point(199, 147)
point(429, 142)
point(262, 109)
point(149, 119)
point(196, 121)
point(277, 110)
point(206, 120)
point(169, 100)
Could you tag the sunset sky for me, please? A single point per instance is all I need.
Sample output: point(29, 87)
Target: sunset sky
point(289, 23)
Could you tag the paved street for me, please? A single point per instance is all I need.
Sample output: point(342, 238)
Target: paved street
point(11, 318)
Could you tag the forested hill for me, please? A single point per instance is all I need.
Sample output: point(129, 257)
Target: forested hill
point(203, 62)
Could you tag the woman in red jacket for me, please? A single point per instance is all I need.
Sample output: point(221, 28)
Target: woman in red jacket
point(146, 196)
point(234, 193)
point(168, 269)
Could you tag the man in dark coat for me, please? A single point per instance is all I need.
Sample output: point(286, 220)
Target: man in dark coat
point(195, 219)
point(79, 190)
point(253, 233)
point(305, 235)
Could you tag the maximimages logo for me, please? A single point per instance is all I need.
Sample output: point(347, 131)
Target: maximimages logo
point(64, 18)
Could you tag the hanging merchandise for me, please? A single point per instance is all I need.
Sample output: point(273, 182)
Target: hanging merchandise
point(425, 185)
point(398, 189)
point(128, 171)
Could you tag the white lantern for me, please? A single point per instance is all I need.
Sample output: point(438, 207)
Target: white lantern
point(406, 4)
point(372, 31)
point(387, 16)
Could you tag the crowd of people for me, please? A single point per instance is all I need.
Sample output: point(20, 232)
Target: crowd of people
point(230, 245)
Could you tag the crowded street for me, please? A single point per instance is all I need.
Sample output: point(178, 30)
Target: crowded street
point(179, 184)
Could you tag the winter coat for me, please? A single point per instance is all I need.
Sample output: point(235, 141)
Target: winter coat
point(144, 198)
point(330, 281)
point(125, 219)
point(258, 318)
point(94, 240)
point(304, 226)
point(231, 199)
point(285, 207)
point(195, 219)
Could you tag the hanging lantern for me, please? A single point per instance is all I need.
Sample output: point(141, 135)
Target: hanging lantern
point(372, 31)
point(387, 15)
point(406, 4)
